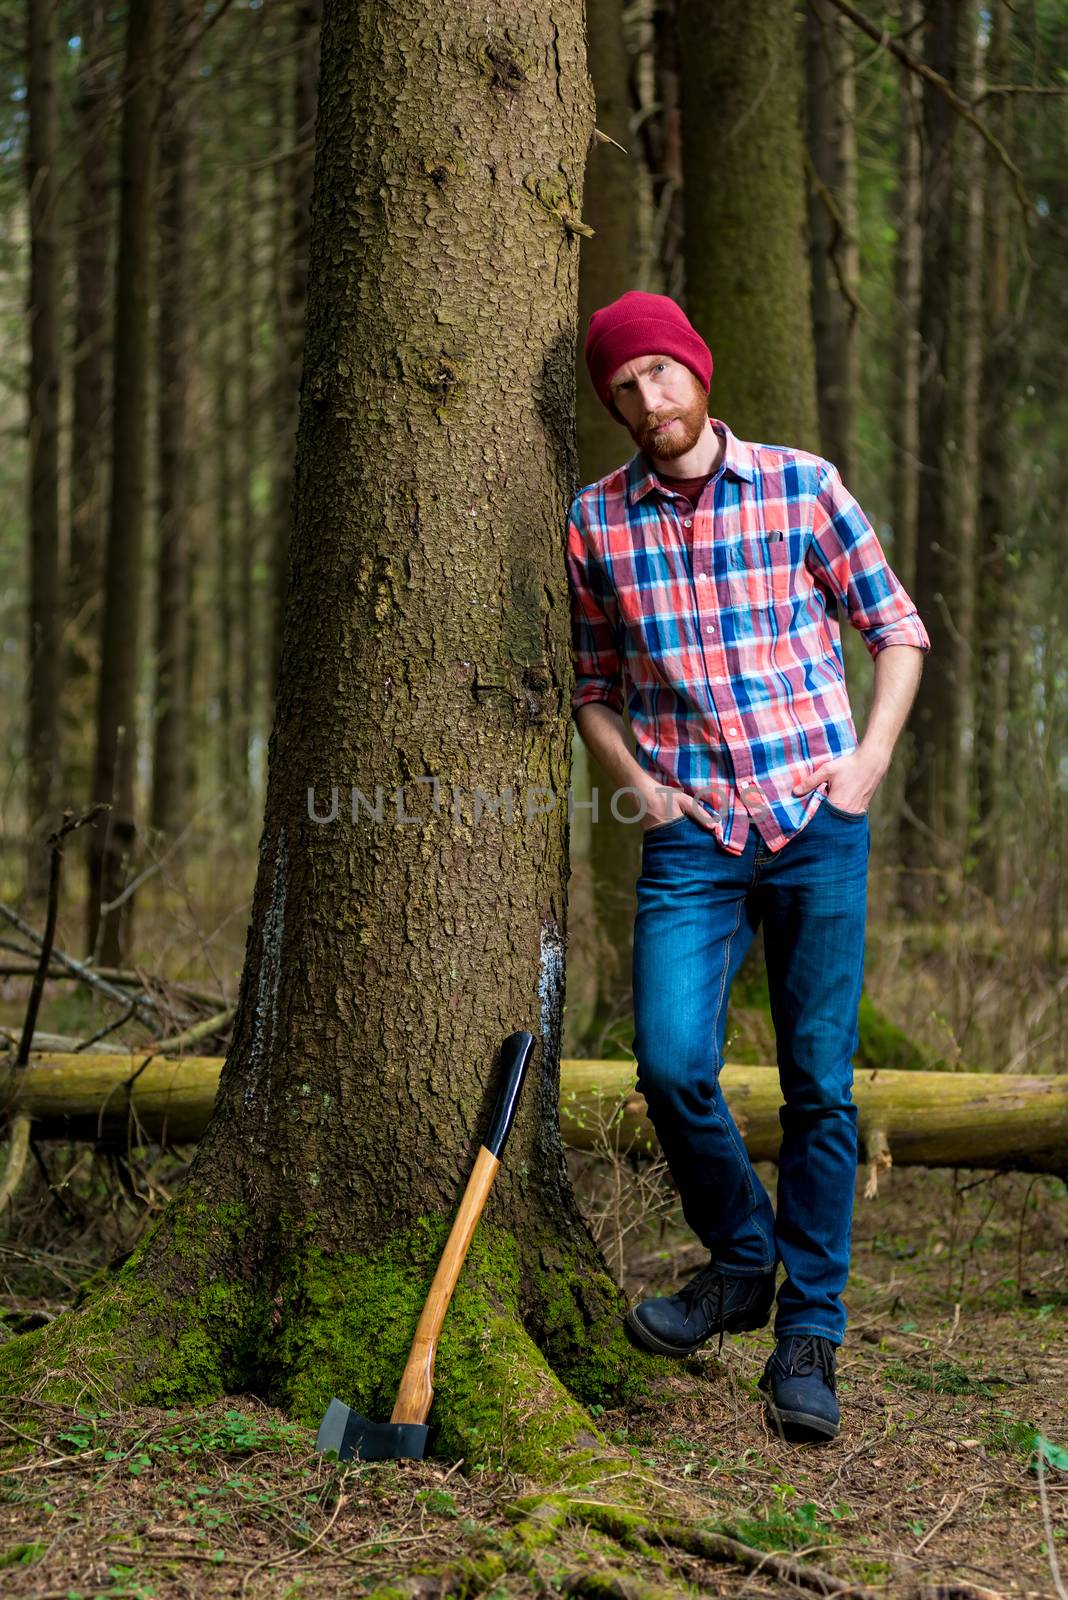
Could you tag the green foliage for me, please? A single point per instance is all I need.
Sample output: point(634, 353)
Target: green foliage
point(21, 1555)
point(942, 1377)
point(789, 1525)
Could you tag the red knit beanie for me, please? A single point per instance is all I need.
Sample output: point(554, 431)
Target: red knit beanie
point(639, 324)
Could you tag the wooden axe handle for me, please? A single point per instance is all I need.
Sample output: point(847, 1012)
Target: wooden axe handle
point(416, 1392)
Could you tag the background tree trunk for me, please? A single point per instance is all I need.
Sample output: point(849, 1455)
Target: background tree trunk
point(94, 112)
point(832, 212)
point(427, 637)
point(995, 597)
point(932, 834)
point(176, 286)
point(43, 309)
point(610, 264)
point(968, 248)
point(116, 740)
point(747, 273)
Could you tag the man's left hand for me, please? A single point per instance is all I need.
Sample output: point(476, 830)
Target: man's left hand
point(851, 780)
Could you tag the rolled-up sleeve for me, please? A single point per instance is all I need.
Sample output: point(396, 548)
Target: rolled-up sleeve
point(594, 644)
point(846, 554)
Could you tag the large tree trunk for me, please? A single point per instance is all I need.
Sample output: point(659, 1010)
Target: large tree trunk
point(997, 1121)
point(43, 720)
point(832, 211)
point(426, 637)
point(116, 734)
point(747, 271)
point(175, 334)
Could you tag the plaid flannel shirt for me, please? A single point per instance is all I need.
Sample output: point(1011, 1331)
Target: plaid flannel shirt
point(719, 628)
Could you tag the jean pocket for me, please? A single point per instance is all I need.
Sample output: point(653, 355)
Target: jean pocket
point(663, 827)
point(850, 816)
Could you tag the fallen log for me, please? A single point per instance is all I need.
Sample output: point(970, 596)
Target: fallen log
point(993, 1121)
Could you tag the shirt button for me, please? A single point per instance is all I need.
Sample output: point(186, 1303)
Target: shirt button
point(711, 628)
point(702, 577)
point(732, 731)
point(688, 523)
point(719, 680)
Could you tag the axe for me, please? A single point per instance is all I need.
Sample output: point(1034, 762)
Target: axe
point(404, 1435)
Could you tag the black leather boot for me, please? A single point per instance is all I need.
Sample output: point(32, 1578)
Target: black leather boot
point(712, 1302)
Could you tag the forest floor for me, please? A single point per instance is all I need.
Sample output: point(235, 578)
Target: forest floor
point(955, 1359)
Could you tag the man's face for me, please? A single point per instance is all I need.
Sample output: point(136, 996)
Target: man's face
point(662, 403)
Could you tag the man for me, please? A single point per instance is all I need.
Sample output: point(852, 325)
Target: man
point(708, 570)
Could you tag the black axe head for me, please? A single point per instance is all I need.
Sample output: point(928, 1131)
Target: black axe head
point(345, 1431)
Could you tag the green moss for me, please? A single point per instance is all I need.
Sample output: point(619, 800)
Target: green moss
point(346, 1326)
point(175, 1343)
point(189, 1318)
point(581, 1331)
point(883, 1044)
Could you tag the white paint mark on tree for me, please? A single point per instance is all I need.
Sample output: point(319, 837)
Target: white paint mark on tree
point(551, 988)
point(265, 1011)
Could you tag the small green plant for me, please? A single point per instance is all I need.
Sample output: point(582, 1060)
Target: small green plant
point(440, 1501)
point(20, 1555)
point(1006, 1433)
point(944, 1377)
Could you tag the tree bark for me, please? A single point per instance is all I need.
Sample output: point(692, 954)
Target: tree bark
point(747, 270)
point(832, 211)
point(113, 837)
point(1003, 1122)
point(426, 636)
point(43, 309)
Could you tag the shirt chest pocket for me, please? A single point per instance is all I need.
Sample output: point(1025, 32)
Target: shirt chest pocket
point(762, 566)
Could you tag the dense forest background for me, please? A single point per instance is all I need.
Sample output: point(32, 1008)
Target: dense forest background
point(288, 308)
point(870, 236)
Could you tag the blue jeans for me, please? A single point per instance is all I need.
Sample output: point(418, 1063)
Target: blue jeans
point(698, 909)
